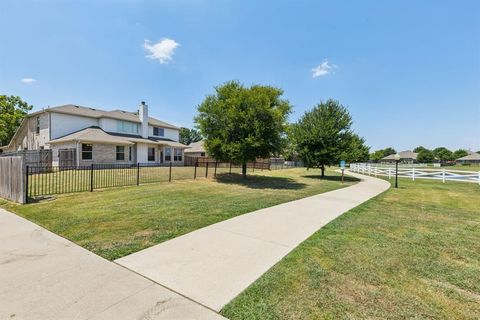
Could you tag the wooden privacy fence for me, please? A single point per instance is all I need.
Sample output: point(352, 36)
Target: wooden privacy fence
point(417, 173)
point(12, 175)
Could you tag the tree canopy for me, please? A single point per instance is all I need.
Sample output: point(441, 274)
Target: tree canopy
point(242, 124)
point(382, 153)
point(187, 136)
point(460, 153)
point(420, 148)
point(425, 156)
point(12, 111)
point(323, 135)
point(443, 154)
point(357, 150)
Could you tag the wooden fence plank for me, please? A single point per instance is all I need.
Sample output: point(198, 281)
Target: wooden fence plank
point(12, 173)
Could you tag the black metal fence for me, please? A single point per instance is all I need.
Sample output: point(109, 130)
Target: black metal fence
point(44, 181)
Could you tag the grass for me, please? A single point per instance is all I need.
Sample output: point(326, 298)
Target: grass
point(412, 252)
point(116, 222)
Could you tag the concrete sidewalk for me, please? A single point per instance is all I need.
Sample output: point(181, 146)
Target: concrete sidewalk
point(43, 276)
point(214, 264)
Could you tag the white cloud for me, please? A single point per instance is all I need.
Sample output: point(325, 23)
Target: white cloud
point(323, 69)
point(28, 80)
point(162, 50)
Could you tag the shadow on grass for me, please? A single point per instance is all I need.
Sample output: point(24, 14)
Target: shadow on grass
point(332, 178)
point(260, 182)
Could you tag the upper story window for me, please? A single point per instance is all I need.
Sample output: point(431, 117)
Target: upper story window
point(127, 127)
point(159, 132)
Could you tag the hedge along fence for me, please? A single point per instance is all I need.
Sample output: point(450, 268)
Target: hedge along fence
point(44, 181)
point(12, 186)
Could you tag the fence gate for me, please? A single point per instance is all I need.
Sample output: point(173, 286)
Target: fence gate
point(67, 157)
point(11, 178)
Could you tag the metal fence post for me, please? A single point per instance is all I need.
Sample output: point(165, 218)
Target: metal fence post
point(26, 185)
point(215, 172)
point(170, 173)
point(206, 169)
point(195, 170)
point(91, 178)
point(138, 173)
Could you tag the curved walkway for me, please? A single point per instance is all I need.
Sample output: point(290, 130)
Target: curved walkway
point(214, 264)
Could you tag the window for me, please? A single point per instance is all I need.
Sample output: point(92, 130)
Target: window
point(177, 154)
point(151, 154)
point(120, 153)
point(87, 152)
point(129, 153)
point(202, 154)
point(159, 132)
point(37, 130)
point(127, 127)
point(168, 154)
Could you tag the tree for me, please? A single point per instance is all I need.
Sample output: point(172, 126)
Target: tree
point(188, 136)
point(382, 153)
point(12, 111)
point(356, 150)
point(443, 154)
point(323, 134)
point(420, 148)
point(460, 153)
point(425, 156)
point(242, 124)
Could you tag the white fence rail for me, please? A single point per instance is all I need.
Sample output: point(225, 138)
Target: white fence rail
point(417, 173)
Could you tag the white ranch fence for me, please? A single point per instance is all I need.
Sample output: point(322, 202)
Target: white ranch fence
point(417, 173)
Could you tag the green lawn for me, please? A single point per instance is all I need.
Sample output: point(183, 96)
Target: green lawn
point(412, 252)
point(116, 222)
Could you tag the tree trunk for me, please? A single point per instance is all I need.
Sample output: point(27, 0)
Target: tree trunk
point(323, 170)
point(244, 170)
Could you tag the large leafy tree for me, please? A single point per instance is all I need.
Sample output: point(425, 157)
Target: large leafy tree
point(242, 124)
point(356, 150)
point(323, 134)
point(460, 153)
point(379, 154)
point(12, 111)
point(419, 149)
point(187, 136)
point(443, 154)
point(425, 156)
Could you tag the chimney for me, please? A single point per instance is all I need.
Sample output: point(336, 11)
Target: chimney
point(143, 115)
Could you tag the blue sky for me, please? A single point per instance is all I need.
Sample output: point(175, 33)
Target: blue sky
point(409, 71)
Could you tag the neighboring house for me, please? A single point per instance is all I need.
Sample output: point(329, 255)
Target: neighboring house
point(473, 158)
point(408, 157)
point(196, 149)
point(82, 136)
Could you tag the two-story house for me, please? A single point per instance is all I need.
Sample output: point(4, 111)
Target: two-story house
point(82, 136)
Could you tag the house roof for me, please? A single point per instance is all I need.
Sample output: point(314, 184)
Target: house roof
point(97, 135)
point(91, 134)
point(403, 155)
point(473, 156)
point(195, 147)
point(97, 113)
